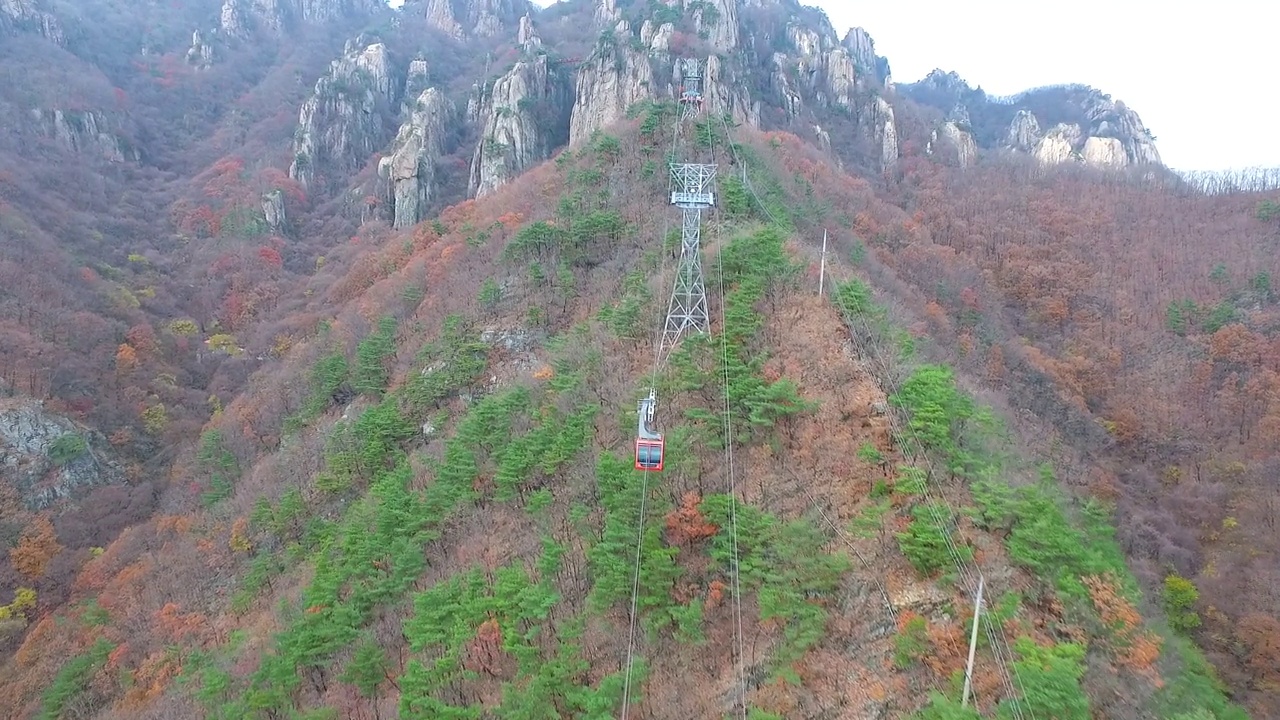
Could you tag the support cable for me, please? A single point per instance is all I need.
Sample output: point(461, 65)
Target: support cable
point(660, 341)
point(735, 570)
point(967, 570)
point(999, 644)
point(644, 481)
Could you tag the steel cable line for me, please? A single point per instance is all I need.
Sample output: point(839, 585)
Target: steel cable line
point(999, 644)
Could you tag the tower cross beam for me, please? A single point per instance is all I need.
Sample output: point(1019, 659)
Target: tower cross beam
point(692, 192)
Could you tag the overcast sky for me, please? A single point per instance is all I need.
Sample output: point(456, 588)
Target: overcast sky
point(1198, 73)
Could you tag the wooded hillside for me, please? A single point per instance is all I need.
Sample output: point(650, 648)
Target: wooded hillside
point(425, 504)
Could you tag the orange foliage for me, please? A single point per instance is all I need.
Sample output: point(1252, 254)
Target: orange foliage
point(142, 338)
point(270, 256)
point(938, 316)
point(177, 524)
point(485, 653)
point(1236, 344)
point(865, 225)
point(36, 547)
point(239, 541)
point(37, 640)
point(715, 594)
point(124, 591)
point(114, 659)
point(200, 222)
point(424, 235)
point(178, 626)
point(1134, 649)
point(905, 618)
point(149, 680)
point(276, 178)
point(949, 648)
point(776, 697)
point(1261, 635)
point(686, 525)
point(126, 358)
point(460, 213)
point(226, 180)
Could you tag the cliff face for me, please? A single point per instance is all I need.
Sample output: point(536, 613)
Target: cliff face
point(523, 115)
point(470, 18)
point(619, 72)
point(90, 132)
point(47, 458)
point(410, 170)
point(341, 125)
point(19, 15)
point(766, 63)
point(239, 18)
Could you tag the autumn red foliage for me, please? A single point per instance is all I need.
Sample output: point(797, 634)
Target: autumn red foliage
point(686, 525)
point(1165, 343)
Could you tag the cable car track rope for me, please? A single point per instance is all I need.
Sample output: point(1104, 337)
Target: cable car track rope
point(1010, 676)
point(659, 346)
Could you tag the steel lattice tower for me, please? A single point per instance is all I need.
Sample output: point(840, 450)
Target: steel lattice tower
point(692, 190)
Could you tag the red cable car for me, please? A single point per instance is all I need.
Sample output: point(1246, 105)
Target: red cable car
point(649, 444)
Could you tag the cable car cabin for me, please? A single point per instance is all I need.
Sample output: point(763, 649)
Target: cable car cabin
point(690, 97)
point(650, 446)
point(649, 455)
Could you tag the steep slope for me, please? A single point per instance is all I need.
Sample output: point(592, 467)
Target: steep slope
point(147, 153)
point(1102, 306)
point(448, 520)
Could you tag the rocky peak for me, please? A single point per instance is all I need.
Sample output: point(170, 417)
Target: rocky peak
point(16, 15)
point(614, 76)
point(409, 171)
point(523, 117)
point(478, 18)
point(724, 94)
point(1113, 119)
point(717, 20)
point(949, 83)
point(417, 79)
point(320, 10)
point(87, 131)
point(808, 42)
point(862, 50)
point(884, 128)
point(960, 146)
point(339, 127)
point(1023, 131)
point(527, 36)
point(200, 54)
point(239, 17)
point(1059, 144)
point(48, 458)
point(606, 13)
point(1084, 124)
point(365, 58)
point(1099, 132)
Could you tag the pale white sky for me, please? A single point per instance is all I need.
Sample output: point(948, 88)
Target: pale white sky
point(1196, 72)
point(1200, 74)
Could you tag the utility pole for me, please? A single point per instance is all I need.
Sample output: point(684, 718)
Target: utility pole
point(822, 272)
point(973, 644)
